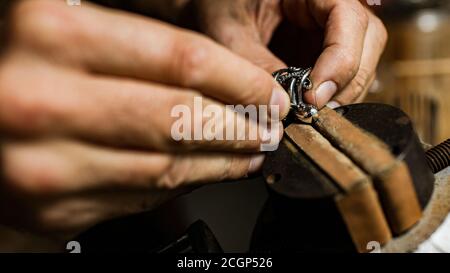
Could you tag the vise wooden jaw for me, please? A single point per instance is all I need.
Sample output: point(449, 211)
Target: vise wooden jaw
point(358, 173)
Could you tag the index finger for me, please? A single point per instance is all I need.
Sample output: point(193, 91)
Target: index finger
point(123, 44)
point(345, 24)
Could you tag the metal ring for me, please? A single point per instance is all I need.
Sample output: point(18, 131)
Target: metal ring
point(296, 81)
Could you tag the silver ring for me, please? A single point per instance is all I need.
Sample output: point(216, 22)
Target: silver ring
point(296, 81)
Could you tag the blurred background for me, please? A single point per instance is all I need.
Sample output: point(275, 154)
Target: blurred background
point(414, 74)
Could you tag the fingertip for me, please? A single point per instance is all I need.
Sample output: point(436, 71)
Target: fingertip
point(281, 99)
point(256, 163)
point(326, 80)
point(324, 92)
point(310, 97)
point(333, 104)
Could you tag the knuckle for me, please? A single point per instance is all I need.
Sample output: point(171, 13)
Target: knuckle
point(363, 18)
point(40, 178)
point(13, 108)
point(260, 90)
point(190, 56)
point(23, 114)
point(175, 174)
point(357, 10)
point(361, 12)
point(349, 62)
point(227, 171)
point(382, 32)
point(26, 105)
point(360, 83)
point(40, 23)
point(234, 168)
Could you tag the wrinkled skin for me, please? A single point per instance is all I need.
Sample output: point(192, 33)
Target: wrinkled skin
point(85, 115)
point(347, 37)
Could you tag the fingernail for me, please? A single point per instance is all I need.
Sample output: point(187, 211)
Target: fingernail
point(265, 136)
point(325, 92)
point(280, 98)
point(333, 104)
point(256, 163)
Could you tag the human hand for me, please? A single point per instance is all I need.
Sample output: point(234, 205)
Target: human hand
point(352, 38)
point(86, 95)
